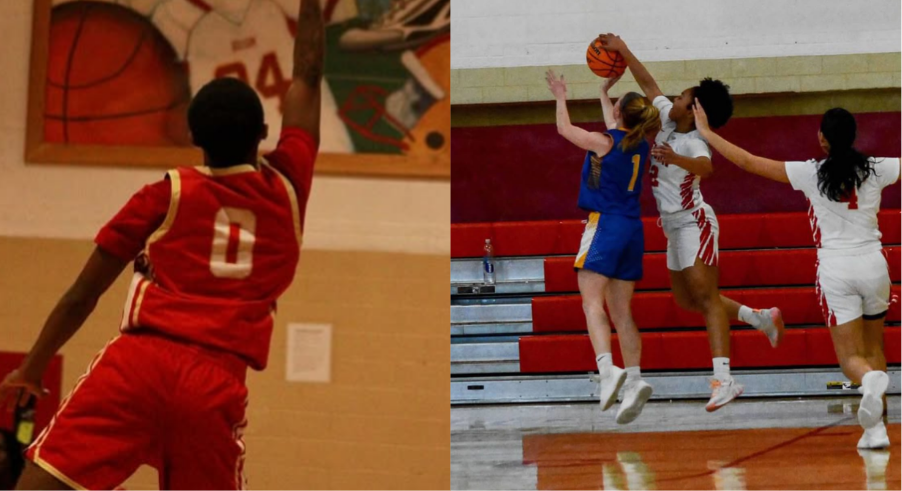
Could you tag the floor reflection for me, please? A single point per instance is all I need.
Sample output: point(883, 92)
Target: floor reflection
point(771, 458)
point(875, 464)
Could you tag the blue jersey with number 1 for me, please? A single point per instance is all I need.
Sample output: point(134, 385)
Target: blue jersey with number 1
point(611, 184)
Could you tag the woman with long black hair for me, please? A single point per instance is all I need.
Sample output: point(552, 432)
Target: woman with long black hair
point(853, 284)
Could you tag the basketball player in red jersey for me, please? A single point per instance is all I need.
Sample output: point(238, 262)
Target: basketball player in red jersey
point(215, 246)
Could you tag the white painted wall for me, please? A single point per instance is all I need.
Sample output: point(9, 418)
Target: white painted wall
point(509, 33)
point(74, 202)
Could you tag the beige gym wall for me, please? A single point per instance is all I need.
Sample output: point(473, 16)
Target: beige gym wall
point(383, 420)
point(374, 265)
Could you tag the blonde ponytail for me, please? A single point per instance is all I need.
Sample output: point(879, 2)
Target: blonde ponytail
point(640, 117)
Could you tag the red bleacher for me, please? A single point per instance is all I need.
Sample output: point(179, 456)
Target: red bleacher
point(658, 310)
point(546, 238)
point(737, 269)
point(689, 350)
point(761, 277)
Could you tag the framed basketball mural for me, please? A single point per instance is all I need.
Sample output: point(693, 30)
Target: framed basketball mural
point(111, 80)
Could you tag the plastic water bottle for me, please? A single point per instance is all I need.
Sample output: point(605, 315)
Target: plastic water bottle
point(488, 264)
point(24, 421)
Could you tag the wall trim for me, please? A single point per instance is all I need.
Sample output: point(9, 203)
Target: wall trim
point(792, 74)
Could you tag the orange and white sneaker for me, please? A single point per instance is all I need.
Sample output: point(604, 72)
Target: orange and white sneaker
point(722, 392)
point(771, 324)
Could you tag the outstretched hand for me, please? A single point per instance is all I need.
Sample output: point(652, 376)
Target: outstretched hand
point(557, 86)
point(608, 83)
point(16, 388)
point(701, 118)
point(611, 42)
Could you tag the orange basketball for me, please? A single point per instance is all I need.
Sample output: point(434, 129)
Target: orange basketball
point(606, 64)
point(112, 79)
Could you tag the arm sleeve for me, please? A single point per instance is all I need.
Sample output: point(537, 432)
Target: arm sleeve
point(663, 104)
point(887, 171)
point(294, 157)
point(125, 235)
point(799, 174)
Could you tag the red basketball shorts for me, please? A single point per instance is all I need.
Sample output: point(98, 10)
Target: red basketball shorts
point(147, 399)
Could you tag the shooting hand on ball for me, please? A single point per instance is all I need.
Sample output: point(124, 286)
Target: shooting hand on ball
point(608, 83)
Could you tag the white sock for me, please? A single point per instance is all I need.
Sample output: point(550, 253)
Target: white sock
point(721, 368)
point(633, 375)
point(604, 362)
point(748, 316)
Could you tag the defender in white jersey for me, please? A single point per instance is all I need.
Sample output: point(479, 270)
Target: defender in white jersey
point(680, 160)
point(853, 281)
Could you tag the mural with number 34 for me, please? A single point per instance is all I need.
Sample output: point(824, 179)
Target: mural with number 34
point(122, 72)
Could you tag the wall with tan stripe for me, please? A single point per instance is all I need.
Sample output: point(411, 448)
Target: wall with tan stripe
point(383, 420)
point(797, 74)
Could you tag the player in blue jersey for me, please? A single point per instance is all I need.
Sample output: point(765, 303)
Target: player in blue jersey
point(610, 255)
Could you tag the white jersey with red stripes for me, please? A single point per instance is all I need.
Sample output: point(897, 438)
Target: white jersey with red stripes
point(848, 227)
point(250, 40)
point(675, 188)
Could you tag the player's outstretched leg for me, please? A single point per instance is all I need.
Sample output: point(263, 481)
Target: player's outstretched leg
point(849, 343)
point(873, 345)
point(636, 391)
point(768, 321)
point(592, 287)
point(700, 280)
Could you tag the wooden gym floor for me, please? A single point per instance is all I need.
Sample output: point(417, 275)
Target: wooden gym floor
point(750, 444)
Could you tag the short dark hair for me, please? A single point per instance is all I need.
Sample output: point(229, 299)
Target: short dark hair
point(715, 97)
point(226, 120)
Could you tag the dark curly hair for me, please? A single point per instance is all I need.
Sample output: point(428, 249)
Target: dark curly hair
point(845, 167)
point(715, 97)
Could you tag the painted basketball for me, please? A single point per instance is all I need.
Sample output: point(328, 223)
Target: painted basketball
point(112, 78)
point(432, 134)
point(605, 64)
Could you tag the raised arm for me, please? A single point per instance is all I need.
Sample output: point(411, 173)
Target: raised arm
point(771, 169)
point(301, 107)
point(607, 107)
point(612, 42)
point(595, 142)
point(66, 319)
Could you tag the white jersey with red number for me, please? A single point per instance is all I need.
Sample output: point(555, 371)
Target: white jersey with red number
point(675, 188)
point(848, 227)
point(250, 40)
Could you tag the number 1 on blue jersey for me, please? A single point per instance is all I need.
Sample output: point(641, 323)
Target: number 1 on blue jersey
point(637, 159)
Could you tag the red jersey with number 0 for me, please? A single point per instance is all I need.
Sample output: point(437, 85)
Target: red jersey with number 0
point(226, 248)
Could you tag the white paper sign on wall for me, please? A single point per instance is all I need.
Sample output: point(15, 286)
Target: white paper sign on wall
point(309, 357)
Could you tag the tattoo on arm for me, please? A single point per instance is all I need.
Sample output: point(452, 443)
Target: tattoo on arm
point(309, 45)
